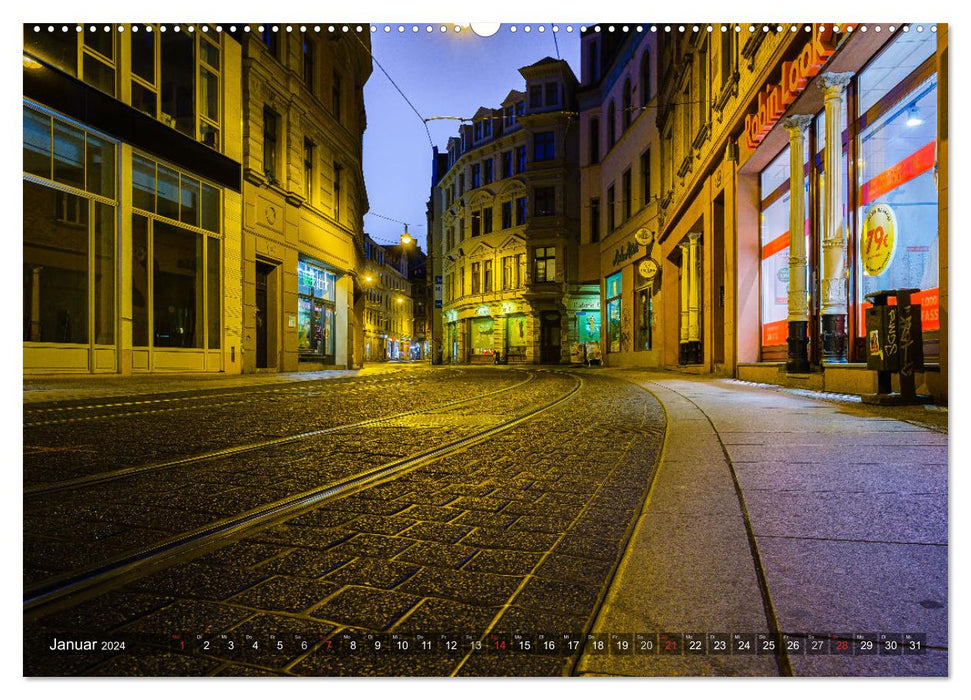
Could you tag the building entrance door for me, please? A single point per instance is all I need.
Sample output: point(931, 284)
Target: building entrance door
point(262, 312)
point(549, 337)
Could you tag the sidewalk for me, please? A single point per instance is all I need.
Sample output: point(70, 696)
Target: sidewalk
point(828, 516)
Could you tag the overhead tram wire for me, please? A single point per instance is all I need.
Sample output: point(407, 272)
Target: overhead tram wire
point(424, 122)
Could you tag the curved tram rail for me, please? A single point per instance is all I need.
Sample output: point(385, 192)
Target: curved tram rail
point(53, 593)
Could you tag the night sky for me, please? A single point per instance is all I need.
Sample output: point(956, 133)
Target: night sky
point(442, 75)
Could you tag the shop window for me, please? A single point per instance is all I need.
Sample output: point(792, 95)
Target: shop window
point(516, 335)
point(178, 287)
point(897, 195)
point(316, 298)
point(140, 281)
point(612, 294)
point(644, 315)
point(480, 336)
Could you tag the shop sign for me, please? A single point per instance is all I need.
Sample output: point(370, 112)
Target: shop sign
point(648, 269)
point(773, 100)
point(451, 316)
point(438, 291)
point(878, 244)
point(625, 252)
point(483, 310)
point(644, 237)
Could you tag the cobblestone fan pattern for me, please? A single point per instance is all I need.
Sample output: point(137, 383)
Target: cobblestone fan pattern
point(77, 528)
point(72, 440)
point(519, 534)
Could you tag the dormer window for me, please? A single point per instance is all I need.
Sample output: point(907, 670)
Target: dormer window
point(552, 94)
point(520, 109)
point(478, 131)
point(487, 128)
point(535, 96)
point(510, 117)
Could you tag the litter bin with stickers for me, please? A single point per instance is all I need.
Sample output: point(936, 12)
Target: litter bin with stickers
point(894, 345)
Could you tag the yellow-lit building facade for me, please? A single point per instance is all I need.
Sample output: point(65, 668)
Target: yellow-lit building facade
point(132, 146)
point(510, 228)
point(733, 104)
point(304, 199)
point(389, 316)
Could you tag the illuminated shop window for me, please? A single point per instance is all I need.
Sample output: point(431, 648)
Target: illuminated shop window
point(612, 295)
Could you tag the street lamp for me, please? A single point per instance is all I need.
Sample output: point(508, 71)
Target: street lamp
point(406, 238)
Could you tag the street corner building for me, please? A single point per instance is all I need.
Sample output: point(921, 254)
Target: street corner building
point(724, 247)
point(505, 228)
point(193, 199)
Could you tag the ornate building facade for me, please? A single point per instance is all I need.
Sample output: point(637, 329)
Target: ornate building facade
point(510, 227)
point(304, 199)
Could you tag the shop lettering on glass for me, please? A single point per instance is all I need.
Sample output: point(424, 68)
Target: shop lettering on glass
point(796, 74)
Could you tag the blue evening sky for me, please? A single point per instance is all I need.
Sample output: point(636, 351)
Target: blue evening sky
point(442, 75)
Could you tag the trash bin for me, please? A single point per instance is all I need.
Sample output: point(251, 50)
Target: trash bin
point(894, 345)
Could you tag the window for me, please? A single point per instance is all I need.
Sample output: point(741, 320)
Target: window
point(508, 271)
point(476, 175)
point(478, 131)
point(544, 264)
point(308, 63)
point(507, 214)
point(520, 211)
point(520, 269)
point(595, 219)
point(487, 175)
point(520, 108)
point(727, 54)
point(611, 123)
point(507, 164)
point(645, 311)
point(544, 201)
point(487, 128)
point(308, 170)
point(476, 223)
point(461, 282)
point(509, 116)
point(611, 222)
point(487, 220)
point(208, 91)
point(487, 276)
point(543, 146)
point(461, 229)
point(338, 186)
point(626, 195)
point(594, 140)
point(552, 94)
point(270, 127)
point(625, 116)
point(520, 159)
point(177, 62)
point(336, 97)
point(612, 295)
point(646, 74)
point(535, 96)
point(475, 278)
point(461, 184)
point(316, 311)
point(646, 177)
point(272, 40)
point(68, 239)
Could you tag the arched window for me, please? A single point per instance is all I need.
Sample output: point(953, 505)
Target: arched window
point(611, 125)
point(645, 78)
point(625, 116)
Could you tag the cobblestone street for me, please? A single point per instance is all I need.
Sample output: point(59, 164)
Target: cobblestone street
point(486, 535)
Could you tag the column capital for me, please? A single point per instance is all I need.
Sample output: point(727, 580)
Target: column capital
point(693, 237)
point(832, 84)
point(796, 124)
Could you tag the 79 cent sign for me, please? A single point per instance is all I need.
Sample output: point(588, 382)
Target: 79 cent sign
point(879, 240)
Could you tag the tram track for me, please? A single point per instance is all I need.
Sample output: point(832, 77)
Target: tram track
point(55, 592)
point(140, 405)
point(114, 475)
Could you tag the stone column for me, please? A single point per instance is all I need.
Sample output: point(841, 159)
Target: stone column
point(797, 359)
point(834, 235)
point(683, 329)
